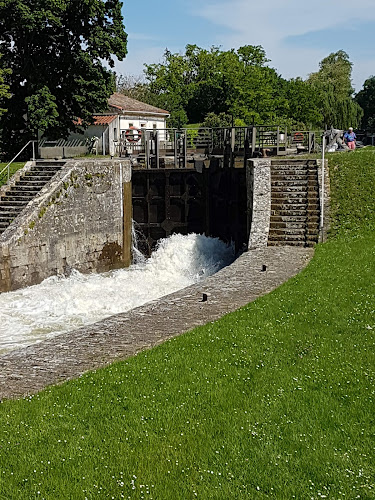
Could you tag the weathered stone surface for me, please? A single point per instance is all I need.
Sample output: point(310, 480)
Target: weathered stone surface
point(75, 221)
point(326, 198)
point(259, 196)
point(27, 371)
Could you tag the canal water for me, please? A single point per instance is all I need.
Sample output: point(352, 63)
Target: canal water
point(61, 304)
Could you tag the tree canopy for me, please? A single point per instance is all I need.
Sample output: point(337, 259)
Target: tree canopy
point(57, 51)
point(239, 84)
point(334, 87)
point(366, 99)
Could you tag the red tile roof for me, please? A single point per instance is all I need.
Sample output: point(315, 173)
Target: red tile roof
point(125, 103)
point(104, 119)
point(99, 120)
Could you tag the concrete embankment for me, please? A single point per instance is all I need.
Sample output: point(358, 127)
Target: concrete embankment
point(255, 273)
point(81, 219)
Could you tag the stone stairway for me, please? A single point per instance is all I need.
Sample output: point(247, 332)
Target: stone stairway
point(25, 189)
point(295, 208)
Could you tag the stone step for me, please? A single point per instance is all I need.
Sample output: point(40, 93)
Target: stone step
point(292, 236)
point(304, 184)
point(293, 194)
point(291, 243)
point(301, 174)
point(310, 226)
point(289, 182)
point(288, 188)
point(297, 199)
point(295, 212)
point(13, 204)
point(30, 183)
point(7, 220)
point(43, 177)
point(39, 173)
point(22, 192)
point(292, 177)
point(295, 161)
point(288, 202)
point(25, 188)
point(51, 163)
point(16, 201)
point(295, 218)
point(8, 211)
point(295, 164)
point(300, 232)
point(46, 166)
point(288, 170)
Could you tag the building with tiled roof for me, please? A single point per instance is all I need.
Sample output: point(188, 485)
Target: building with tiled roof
point(127, 105)
point(124, 114)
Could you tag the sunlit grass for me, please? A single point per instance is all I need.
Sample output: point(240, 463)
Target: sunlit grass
point(275, 400)
point(12, 170)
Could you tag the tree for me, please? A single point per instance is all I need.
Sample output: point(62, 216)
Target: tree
point(333, 84)
point(57, 51)
point(134, 87)
point(200, 81)
point(366, 99)
point(303, 104)
point(4, 89)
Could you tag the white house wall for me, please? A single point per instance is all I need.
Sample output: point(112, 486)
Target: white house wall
point(142, 122)
point(108, 132)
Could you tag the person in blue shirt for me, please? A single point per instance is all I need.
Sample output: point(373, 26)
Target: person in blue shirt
point(350, 138)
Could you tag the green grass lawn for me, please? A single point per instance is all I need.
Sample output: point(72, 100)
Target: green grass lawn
point(275, 400)
point(12, 170)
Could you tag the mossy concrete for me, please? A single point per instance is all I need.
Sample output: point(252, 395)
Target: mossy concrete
point(75, 221)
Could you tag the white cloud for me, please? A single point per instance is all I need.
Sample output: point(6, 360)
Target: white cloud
point(269, 22)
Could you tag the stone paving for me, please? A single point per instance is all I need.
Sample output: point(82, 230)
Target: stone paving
point(29, 370)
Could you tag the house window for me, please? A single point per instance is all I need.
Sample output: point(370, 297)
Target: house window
point(115, 134)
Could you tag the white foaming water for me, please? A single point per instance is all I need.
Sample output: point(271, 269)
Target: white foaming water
point(62, 304)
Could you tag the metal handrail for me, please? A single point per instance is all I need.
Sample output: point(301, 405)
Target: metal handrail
point(25, 146)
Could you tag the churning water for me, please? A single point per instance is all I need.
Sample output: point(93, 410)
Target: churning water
point(62, 304)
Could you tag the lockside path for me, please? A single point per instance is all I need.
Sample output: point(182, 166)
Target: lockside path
point(29, 370)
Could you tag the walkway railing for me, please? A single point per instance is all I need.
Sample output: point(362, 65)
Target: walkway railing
point(7, 167)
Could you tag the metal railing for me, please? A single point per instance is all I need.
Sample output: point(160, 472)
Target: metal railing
point(7, 167)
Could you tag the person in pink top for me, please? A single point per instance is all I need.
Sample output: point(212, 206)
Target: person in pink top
point(350, 138)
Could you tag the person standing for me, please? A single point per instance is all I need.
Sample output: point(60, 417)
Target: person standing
point(350, 138)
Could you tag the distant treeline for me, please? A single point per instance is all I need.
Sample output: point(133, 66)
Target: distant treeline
point(221, 88)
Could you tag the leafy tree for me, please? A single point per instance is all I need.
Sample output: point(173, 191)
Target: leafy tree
point(214, 81)
point(4, 89)
point(334, 87)
point(366, 99)
point(177, 119)
point(221, 120)
point(56, 50)
point(303, 104)
point(134, 87)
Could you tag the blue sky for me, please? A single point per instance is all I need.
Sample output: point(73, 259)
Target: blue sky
point(296, 34)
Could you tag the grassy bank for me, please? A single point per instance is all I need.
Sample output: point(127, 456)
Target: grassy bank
point(275, 400)
point(12, 170)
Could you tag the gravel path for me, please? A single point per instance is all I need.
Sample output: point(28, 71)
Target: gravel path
point(31, 369)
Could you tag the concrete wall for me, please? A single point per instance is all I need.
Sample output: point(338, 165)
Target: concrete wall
point(259, 201)
point(324, 198)
point(81, 219)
